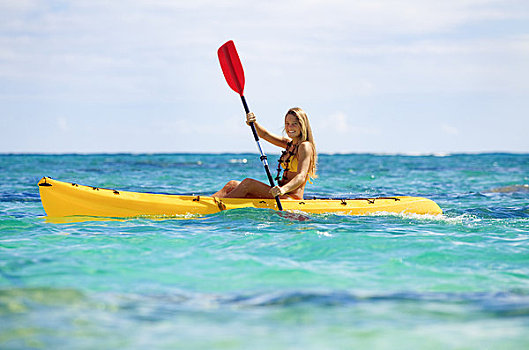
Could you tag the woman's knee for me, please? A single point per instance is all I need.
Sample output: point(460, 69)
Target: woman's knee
point(233, 183)
point(248, 182)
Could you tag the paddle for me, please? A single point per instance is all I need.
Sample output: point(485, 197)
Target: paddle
point(234, 74)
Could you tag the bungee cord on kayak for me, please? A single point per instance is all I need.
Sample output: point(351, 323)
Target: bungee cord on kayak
point(61, 199)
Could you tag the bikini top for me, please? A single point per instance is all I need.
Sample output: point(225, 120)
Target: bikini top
point(291, 164)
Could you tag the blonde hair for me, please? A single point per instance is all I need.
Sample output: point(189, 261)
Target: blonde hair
point(306, 135)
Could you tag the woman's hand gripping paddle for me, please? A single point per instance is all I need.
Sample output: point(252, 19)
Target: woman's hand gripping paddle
point(234, 74)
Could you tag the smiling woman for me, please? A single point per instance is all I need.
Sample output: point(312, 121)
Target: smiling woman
point(298, 161)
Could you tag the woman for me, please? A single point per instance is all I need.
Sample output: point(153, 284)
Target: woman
point(298, 161)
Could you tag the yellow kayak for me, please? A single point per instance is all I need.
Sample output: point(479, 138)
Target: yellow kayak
point(61, 199)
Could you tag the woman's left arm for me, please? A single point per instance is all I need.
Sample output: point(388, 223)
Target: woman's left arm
point(304, 158)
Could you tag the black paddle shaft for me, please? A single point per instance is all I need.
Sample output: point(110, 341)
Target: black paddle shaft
point(263, 156)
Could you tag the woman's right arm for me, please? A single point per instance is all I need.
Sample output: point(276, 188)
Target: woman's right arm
point(265, 134)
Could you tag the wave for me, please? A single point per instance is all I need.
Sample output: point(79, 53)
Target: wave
point(503, 304)
point(510, 189)
point(506, 303)
point(496, 304)
point(19, 197)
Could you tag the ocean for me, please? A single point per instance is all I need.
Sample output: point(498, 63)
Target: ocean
point(251, 279)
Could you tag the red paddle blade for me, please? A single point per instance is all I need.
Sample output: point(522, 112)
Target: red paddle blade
point(231, 67)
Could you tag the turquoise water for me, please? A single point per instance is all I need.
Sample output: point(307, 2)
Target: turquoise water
point(250, 279)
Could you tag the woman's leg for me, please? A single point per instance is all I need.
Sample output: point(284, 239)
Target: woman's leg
point(250, 188)
point(226, 189)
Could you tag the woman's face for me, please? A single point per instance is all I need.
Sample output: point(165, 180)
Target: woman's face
point(292, 127)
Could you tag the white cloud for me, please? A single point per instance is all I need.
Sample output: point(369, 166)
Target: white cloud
point(339, 123)
point(62, 124)
point(450, 130)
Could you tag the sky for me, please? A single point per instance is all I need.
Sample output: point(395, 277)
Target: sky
point(377, 76)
